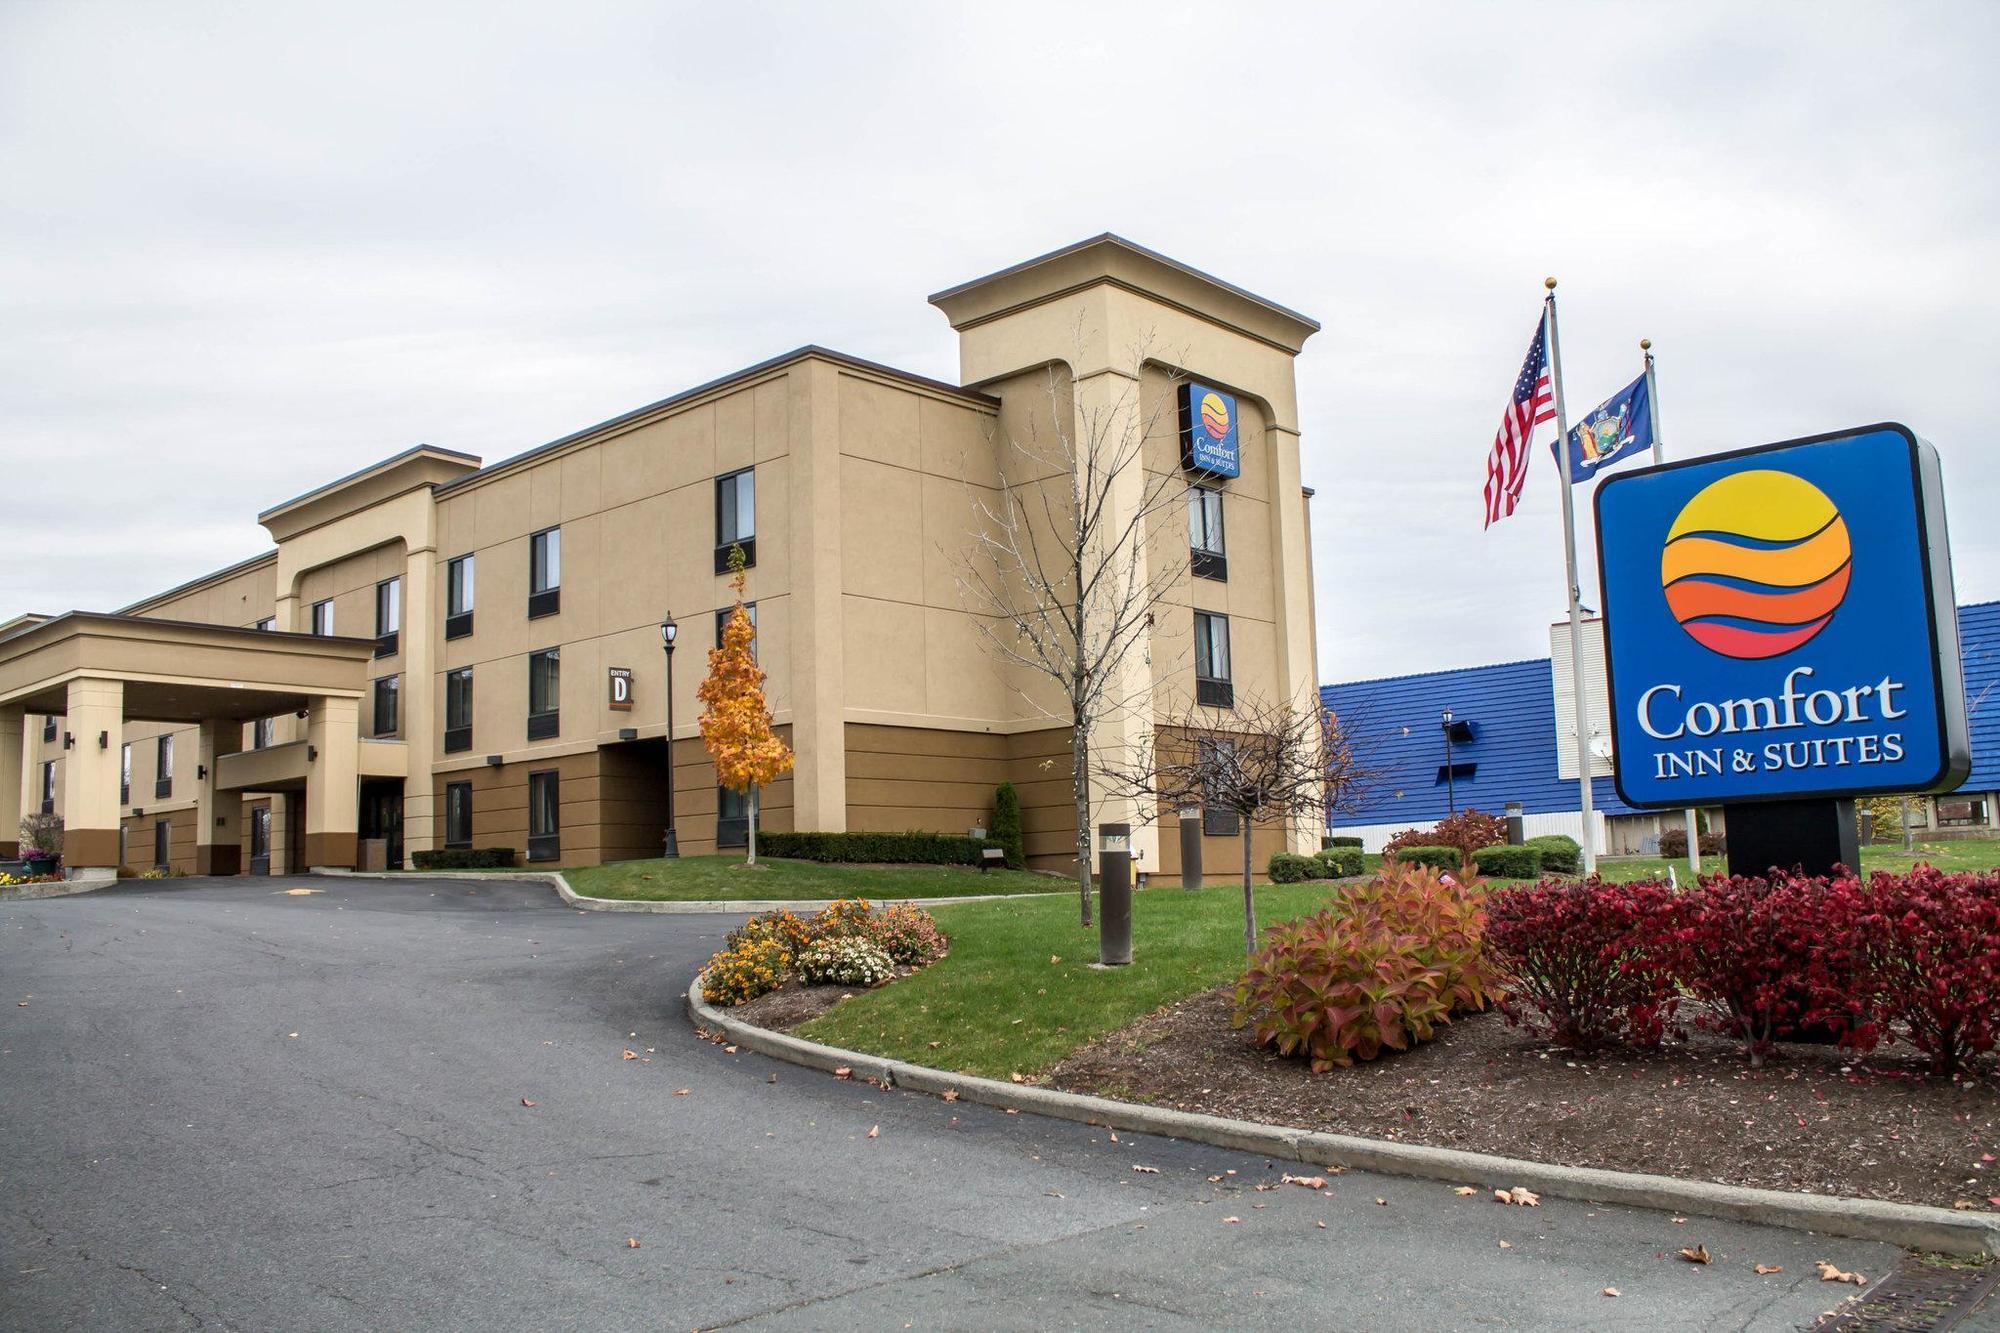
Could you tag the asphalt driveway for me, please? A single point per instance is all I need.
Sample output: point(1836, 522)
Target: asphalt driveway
point(242, 1104)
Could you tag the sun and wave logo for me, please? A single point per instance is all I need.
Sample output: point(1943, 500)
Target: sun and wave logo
point(1756, 564)
point(1215, 415)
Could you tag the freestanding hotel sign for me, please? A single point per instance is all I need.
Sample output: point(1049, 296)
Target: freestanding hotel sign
point(1780, 630)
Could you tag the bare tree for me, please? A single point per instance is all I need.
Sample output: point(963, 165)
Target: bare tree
point(1270, 761)
point(1060, 569)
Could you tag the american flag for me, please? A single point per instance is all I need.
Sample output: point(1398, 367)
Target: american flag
point(1532, 404)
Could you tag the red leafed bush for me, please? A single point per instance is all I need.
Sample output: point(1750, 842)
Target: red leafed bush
point(1469, 830)
point(1674, 844)
point(1933, 942)
point(1770, 959)
point(1584, 962)
point(1378, 971)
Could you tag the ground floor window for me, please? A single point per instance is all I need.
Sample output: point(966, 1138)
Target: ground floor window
point(1217, 821)
point(458, 814)
point(260, 832)
point(544, 815)
point(49, 787)
point(162, 844)
point(1961, 812)
point(732, 818)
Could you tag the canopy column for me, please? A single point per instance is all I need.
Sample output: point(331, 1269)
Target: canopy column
point(92, 727)
point(333, 777)
point(11, 736)
point(218, 824)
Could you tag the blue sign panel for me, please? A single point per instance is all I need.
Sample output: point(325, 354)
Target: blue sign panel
point(1208, 431)
point(1779, 623)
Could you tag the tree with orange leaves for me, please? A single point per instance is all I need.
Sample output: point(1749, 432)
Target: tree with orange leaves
point(735, 721)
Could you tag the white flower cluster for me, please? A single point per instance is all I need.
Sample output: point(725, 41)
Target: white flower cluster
point(844, 961)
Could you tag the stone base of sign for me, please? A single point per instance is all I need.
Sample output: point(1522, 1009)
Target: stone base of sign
point(1814, 835)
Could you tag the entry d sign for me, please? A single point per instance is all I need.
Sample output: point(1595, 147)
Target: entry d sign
point(621, 689)
point(1779, 624)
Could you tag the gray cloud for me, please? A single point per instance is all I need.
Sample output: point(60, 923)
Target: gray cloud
point(244, 249)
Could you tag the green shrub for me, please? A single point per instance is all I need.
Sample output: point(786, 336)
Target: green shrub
point(1006, 828)
point(1561, 855)
point(1437, 858)
point(1291, 868)
point(1397, 957)
point(1504, 862)
point(463, 858)
point(1342, 862)
point(928, 849)
point(1340, 842)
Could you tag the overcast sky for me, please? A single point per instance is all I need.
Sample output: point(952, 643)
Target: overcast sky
point(246, 249)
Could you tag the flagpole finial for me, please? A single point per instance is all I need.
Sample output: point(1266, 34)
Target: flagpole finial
point(1549, 283)
point(1645, 344)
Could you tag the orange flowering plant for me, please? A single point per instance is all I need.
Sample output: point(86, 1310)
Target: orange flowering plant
point(735, 720)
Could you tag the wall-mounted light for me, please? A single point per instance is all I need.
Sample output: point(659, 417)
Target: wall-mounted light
point(69, 741)
point(103, 740)
point(201, 772)
point(493, 761)
point(312, 753)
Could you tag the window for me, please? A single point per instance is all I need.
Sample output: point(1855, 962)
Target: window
point(261, 733)
point(722, 620)
point(1205, 533)
point(458, 598)
point(545, 573)
point(1211, 661)
point(49, 727)
point(268, 624)
point(458, 710)
point(163, 781)
point(48, 787)
point(544, 815)
point(260, 833)
point(322, 619)
point(732, 818)
point(1217, 821)
point(388, 721)
point(458, 814)
point(1961, 812)
point(388, 616)
point(544, 694)
point(736, 517)
point(125, 775)
point(162, 844)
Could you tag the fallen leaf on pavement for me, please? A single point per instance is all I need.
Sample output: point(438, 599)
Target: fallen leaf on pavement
point(1520, 1196)
point(845, 1071)
point(729, 1050)
point(1146, 1170)
point(951, 1094)
point(631, 1054)
point(1114, 1138)
point(1828, 1273)
point(1322, 1226)
point(1231, 1221)
point(1611, 1291)
point(1012, 1111)
point(1964, 1205)
point(1310, 1182)
point(1506, 1244)
point(1383, 1202)
point(1765, 1270)
point(682, 1092)
point(1213, 1180)
point(631, 1242)
point(875, 1132)
point(1695, 1254)
point(1465, 1189)
point(526, 1102)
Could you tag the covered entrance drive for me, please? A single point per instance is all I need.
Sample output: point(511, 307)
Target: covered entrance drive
point(92, 672)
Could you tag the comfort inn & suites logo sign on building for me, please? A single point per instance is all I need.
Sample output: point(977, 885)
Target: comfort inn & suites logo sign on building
point(1779, 623)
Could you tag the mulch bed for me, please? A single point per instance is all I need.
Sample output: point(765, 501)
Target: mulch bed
point(790, 1005)
point(1813, 1119)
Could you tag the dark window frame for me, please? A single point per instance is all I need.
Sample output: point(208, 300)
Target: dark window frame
point(459, 594)
point(260, 832)
point(544, 574)
point(163, 760)
point(455, 836)
point(388, 616)
point(48, 727)
point(163, 844)
point(1218, 821)
point(732, 830)
point(546, 845)
point(125, 773)
point(727, 533)
point(1208, 550)
point(457, 736)
point(268, 625)
point(48, 786)
point(314, 618)
point(263, 731)
point(1212, 689)
point(722, 619)
point(392, 686)
point(545, 723)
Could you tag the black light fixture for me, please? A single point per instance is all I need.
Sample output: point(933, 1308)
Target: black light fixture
point(312, 753)
point(103, 740)
point(670, 844)
point(69, 740)
point(201, 772)
point(1450, 778)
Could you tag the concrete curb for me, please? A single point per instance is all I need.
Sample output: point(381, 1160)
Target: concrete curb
point(62, 888)
point(1908, 1225)
point(744, 906)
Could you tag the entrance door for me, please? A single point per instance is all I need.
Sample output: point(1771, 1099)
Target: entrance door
point(382, 817)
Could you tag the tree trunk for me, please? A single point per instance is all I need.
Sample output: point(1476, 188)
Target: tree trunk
point(1080, 792)
point(751, 860)
point(1249, 895)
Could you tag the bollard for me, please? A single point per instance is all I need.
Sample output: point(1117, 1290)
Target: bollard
point(1514, 838)
point(1191, 847)
point(1114, 895)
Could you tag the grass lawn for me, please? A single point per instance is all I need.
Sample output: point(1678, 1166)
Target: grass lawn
point(723, 878)
point(1957, 854)
point(1016, 993)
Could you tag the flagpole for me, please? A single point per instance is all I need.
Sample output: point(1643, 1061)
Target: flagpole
point(1689, 815)
point(1589, 839)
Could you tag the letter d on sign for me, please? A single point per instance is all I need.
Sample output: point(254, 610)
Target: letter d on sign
point(621, 689)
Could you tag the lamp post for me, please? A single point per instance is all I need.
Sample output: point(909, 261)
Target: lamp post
point(668, 631)
point(1450, 778)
